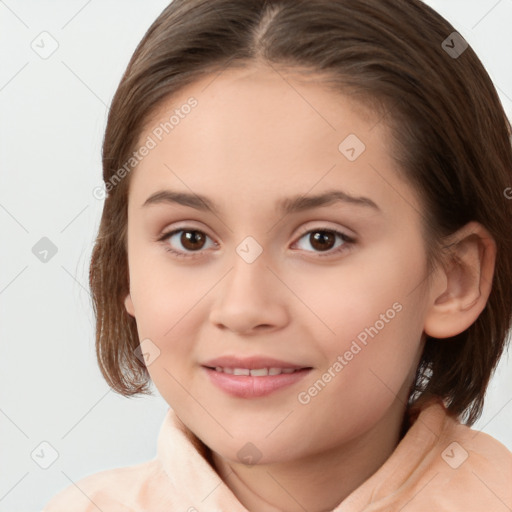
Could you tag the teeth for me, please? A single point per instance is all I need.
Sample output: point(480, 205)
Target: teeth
point(257, 372)
point(261, 372)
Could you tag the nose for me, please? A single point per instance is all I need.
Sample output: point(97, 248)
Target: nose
point(250, 299)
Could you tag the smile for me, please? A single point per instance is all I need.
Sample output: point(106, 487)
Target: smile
point(254, 383)
point(257, 372)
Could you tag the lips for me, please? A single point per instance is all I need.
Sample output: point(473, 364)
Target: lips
point(255, 372)
point(252, 363)
point(253, 377)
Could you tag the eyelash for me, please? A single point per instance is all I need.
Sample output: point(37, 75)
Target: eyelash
point(348, 242)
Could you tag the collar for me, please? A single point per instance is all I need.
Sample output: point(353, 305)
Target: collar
point(187, 463)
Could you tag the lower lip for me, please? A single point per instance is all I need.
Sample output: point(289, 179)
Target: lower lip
point(246, 386)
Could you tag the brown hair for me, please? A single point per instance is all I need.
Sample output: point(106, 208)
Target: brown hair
point(450, 134)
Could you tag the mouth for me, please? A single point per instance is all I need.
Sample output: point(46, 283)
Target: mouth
point(253, 377)
point(256, 372)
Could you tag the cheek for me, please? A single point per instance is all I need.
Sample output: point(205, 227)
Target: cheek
point(370, 367)
point(164, 292)
point(369, 289)
point(376, 319)
point(169, 304)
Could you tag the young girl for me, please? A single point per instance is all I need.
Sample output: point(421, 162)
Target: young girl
point(306, 246)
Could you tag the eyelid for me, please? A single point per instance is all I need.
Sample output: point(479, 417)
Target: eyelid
point(183, 225)
point(190, 255)
point(305, 228)
point(348, 239)
point(348, 244)
point(325, 226)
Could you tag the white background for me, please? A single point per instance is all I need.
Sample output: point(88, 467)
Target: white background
point(53, 114)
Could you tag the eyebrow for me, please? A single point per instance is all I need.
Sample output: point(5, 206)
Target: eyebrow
point(287, 205)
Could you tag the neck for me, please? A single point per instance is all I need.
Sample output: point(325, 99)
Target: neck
point(318, 482)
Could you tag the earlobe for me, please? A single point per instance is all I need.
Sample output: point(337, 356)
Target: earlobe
point(460, 291)
point(128, 304)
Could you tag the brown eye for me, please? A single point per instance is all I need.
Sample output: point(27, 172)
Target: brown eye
point(186, 242)
point(192, 240)
point(322, 240)
point(329, 241)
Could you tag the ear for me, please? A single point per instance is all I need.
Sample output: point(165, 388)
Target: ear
point(460, 290)
point(128, 304)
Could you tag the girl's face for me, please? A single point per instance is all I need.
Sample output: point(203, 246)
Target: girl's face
point(272, 269)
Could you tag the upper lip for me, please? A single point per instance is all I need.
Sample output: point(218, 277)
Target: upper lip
point(250, 363)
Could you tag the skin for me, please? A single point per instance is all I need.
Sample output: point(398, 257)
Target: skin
point(252, 140)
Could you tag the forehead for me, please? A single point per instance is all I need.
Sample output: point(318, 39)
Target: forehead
point(260, 95)
point(257, 131)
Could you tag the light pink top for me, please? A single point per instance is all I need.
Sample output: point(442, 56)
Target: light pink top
point(439, 466)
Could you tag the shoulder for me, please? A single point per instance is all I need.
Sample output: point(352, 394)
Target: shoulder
point(469, 470)
point(112, 490)
point(475, 450)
